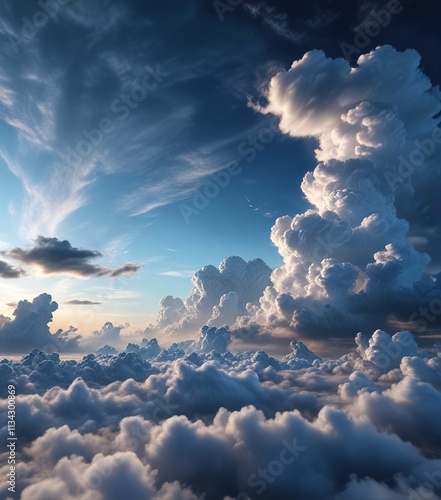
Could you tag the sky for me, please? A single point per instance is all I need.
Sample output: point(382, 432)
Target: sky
point(138, 147)
point(220, 233)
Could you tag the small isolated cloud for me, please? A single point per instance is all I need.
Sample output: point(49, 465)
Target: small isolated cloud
point(177, 274)
point(77, 302)
point(54, 256)
point(125, 270)
point(8, 272)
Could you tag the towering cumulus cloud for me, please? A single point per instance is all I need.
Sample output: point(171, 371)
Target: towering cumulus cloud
point(30, 329)
point(219, 296)
point(359, 258)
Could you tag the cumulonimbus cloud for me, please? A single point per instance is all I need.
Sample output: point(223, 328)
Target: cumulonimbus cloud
point(349, 262)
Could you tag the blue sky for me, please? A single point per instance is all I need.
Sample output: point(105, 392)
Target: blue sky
point(169, 86)
point(123, 198)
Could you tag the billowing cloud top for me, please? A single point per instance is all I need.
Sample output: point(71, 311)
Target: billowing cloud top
point(218, 297)
point(29, 328)
point(351, 262)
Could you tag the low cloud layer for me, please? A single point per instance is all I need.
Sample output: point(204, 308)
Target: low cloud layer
point(364, 425)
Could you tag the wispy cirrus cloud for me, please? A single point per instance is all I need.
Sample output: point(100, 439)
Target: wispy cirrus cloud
point(177, 274)
point(276, 20)
point(49, 106)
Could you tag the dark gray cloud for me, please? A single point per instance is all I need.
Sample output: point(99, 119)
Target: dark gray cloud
point(8, 272)
point(54, 256)
point(125, 270)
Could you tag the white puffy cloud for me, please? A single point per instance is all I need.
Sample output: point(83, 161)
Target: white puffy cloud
point(219, 295)
point(193, 421)
point(371, 110)
point(30, 329)
point(349, 263)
